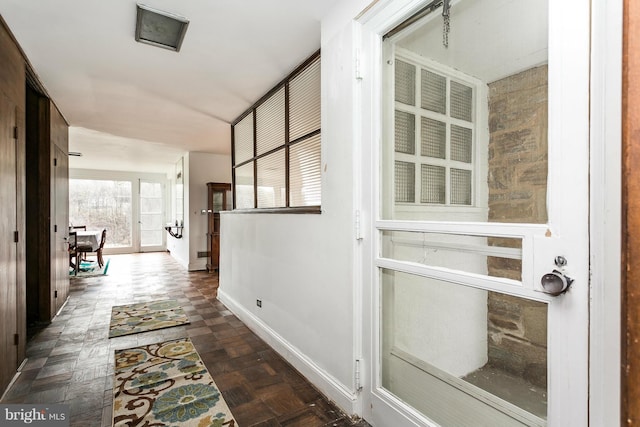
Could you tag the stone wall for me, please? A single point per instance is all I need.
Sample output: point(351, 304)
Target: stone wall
point(517, 182)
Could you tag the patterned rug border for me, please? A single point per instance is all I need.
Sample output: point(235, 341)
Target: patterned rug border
point(192, 398)
point(130, 326)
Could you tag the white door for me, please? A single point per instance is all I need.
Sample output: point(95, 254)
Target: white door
point(151, 222)
point(480, 197)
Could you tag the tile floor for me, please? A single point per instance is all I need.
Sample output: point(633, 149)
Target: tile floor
point(71, 360)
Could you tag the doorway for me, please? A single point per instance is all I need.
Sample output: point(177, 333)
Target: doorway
point(484, 112)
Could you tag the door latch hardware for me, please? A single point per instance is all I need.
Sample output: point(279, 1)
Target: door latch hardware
point(556, 282)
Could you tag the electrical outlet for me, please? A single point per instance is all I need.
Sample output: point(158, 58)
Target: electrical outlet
point(259, 303)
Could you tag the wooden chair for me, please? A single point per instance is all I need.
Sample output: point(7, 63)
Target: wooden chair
point(84, 250)
point(73, 252)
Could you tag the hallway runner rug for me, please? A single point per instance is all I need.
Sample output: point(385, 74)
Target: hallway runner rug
point(145, 316)
point(166, 384)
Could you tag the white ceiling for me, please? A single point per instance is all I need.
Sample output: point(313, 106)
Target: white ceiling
point(488, 39)
point(132, 106)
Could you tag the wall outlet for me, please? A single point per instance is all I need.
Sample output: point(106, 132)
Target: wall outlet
point(259, 303)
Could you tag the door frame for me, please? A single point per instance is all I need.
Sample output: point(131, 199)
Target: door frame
point(134, 178)
point(630, 292)
point(371, 25)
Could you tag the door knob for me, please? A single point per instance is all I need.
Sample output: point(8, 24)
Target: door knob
point(556, 282)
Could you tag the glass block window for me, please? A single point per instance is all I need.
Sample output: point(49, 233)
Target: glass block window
point(276, 146)
point(461, 101)
point(432, 184)
point(434, 135)
point(433, 138)
point(405, 133)
point(434, 92)
point(461, 144)
point(405, 182)
point(405, 83)
point(460, 187)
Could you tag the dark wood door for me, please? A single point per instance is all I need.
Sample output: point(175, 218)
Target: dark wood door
point(8, 246)
point(217, 200)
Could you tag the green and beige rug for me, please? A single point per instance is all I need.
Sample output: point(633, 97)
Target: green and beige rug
point(89, 269)
point(145, 316)
point(166, 384)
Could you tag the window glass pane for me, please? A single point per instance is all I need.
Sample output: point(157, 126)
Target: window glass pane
point(493, 104)
point(490, 256)
point(305, 173)
point(100, 204)
point(405, 179)
point(433, 137)
point(270, 123)
point(433, 187)
point(278, 136)
point(244, 186)
point(151, 213)
point(243, 139)
point(405, 132)
point(271, 180)
point(304, 102)
point(460, 187)
point(461, 144)
point(434, 92)
point(405, 83)
point(461, 101)
point(454, 352)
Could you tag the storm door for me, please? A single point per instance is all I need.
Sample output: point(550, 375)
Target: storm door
point(480, 271)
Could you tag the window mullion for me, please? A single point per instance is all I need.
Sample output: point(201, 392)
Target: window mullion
point(255, 161)
point(287, 182)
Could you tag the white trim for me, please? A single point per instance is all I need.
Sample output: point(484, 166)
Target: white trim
point(327, 384)
point(361, 229)
point(463, 278)
point(198, 265)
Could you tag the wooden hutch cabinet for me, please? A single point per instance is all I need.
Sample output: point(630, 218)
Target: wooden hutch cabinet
point(218, 199)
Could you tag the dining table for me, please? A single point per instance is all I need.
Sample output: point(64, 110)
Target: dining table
point(89, 238)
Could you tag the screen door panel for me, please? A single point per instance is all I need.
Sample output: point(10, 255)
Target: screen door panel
point(463, 335)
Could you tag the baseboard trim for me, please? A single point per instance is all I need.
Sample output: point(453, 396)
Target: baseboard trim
point(326, 383)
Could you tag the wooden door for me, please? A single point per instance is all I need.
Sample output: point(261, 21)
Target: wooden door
point(60, 257)
point(217, 200)
point(21, 256)
point(8, 247)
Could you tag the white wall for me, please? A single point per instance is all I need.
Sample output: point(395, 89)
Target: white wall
point(203, 168)
point(199, 168)
point(302, 266)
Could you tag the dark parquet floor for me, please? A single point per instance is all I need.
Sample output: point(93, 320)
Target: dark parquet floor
point(71, 360)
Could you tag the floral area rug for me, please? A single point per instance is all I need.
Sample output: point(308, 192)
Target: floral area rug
point(145, 316)
point(166, 384)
